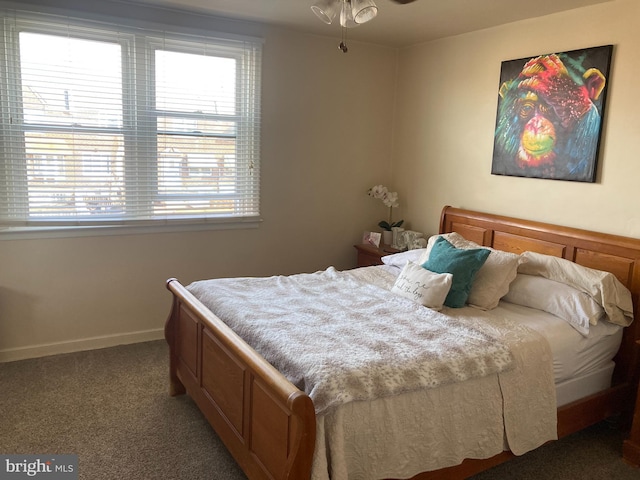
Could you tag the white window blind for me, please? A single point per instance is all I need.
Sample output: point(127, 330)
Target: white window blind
point(107, 125)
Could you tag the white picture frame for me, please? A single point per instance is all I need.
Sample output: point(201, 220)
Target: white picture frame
point(372, 238)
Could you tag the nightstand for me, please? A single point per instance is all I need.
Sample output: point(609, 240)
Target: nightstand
point(369, 255)
point(631, 446)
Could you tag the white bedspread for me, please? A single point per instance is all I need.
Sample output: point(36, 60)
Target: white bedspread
point(399, 435)
point(339, 338)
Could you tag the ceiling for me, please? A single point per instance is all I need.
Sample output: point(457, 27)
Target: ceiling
point(396, 25)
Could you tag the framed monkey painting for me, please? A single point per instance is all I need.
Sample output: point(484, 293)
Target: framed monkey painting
point(550, 112)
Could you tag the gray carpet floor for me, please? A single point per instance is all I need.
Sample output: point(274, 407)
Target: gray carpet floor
point(112, 409)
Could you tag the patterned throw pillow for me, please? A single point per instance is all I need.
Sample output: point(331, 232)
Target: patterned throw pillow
point(423, 286)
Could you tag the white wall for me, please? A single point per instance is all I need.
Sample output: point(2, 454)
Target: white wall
point(447, 101)
point(326, 138)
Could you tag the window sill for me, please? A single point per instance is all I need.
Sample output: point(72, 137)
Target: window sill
point(40, 232)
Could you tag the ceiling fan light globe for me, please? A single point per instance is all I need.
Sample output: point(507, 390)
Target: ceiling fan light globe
point(363, 10)
point(326, 10)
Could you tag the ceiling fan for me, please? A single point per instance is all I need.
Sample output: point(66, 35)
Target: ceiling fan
point(352, 13)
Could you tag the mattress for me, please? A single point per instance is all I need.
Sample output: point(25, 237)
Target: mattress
point(581, 365)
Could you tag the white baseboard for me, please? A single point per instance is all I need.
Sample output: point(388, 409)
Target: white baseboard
point(23, 353)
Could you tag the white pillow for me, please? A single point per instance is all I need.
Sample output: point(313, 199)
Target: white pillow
point(423, 286)
point(494, 277)
point(401, 259)
point(573, 306)
point(602, 286)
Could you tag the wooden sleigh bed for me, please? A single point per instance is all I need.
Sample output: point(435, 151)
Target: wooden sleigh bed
point(269, 425)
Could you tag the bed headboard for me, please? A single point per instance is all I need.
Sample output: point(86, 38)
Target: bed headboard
point(616, 254)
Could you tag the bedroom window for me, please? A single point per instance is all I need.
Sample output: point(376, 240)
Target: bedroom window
point(108, 126)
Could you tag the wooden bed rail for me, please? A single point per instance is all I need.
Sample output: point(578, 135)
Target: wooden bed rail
point(266, 423)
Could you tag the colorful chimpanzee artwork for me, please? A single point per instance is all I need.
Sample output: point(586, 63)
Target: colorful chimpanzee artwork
point(550, 111)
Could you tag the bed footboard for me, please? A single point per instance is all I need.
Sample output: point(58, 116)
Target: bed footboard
point(266, 423)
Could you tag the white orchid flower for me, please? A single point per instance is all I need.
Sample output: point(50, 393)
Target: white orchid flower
point(377, 191)
point(390, 199)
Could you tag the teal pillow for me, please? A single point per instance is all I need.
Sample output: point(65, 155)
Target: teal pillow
point(462, 264)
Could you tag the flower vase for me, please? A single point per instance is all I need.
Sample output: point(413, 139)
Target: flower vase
point(387, 237)
point(397, 238)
